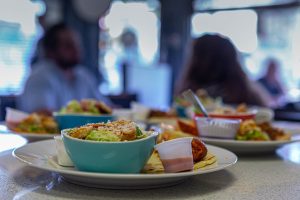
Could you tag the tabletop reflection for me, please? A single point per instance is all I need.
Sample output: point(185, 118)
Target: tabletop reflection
point(290, 152)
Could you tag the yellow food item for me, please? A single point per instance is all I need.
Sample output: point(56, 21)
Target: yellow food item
point(155, 166)
point(187, 126)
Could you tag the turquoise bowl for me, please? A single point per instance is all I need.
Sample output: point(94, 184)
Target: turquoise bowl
point(66, 121)
point(181, 111)
point(109, 157)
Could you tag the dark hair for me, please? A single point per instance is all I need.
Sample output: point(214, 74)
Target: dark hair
point(214, 64)
point(50, 39)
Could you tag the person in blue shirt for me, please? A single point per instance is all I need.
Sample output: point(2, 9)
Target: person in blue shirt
point(270, 80)
point(58, 78)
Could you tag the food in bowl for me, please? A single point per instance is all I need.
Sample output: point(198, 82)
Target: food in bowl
point(78, 113)
point(228, 112)
point(121, 130)
point(86, 106)
point(113, 147)
point(35, 123)
point(183, 107)
point(209, 102)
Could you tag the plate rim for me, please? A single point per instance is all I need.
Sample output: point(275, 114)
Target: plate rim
point(250, 143)
point(127, 176)
point(33, 135)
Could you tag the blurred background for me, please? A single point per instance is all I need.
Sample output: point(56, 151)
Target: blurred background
point(137, 49)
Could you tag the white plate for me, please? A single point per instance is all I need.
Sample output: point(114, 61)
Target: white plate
point(29, 136)
point(249, 146)
point(42, 155)
point(32, 137)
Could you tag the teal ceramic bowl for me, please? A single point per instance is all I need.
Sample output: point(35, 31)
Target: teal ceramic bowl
point(180, 110)
point(109, 157)
point(74, 120)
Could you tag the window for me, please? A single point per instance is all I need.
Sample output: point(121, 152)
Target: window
point(239, 26)
point(17, 37)
point(256, 46)
point(138, 25)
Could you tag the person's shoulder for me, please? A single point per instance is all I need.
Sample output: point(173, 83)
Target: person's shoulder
point(42, 67)
point(263, 81)
point(41, 72)
point(260, 92)
point(82, 71)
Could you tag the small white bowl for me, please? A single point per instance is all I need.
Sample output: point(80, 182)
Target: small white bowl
point(123, 113)
point(217, 128)
point(62, 157)
point(176, 155)
point(264, 115)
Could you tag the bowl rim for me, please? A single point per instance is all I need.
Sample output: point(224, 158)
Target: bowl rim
point(227, 120)
point(176, 140)
point(81, 115)
point(151, 135)
point(248, 114)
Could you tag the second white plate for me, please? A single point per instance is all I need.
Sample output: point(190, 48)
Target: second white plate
point(249, 147)
point(31, 137)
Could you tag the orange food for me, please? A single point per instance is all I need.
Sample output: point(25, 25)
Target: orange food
point(187, 127)
point(199, 150)
point(273, 132)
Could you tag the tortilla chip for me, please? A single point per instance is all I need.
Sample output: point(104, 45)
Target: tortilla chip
point(208, 160)
point(155, 166)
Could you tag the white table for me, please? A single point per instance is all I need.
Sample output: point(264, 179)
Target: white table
point(273, 176)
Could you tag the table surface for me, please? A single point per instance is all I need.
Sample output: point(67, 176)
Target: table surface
point(269, 176)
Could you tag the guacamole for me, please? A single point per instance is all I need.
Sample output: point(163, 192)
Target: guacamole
point(102, 135)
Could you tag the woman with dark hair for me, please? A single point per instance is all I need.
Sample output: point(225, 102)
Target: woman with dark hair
point(214, 66)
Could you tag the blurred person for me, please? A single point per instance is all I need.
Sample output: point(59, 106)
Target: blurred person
point(214, 66)
point(58, 78)
point(131, 54)
point(270, 80)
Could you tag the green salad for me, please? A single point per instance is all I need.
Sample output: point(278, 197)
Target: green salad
point(86, 106)
point(253, 135)
point(121, 130)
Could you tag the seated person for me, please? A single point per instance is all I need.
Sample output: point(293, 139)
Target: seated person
point(270, 80)
point(214, 66)
point(58, 78)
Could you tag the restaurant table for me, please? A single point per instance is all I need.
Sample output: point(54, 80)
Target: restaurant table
point(266, 176)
